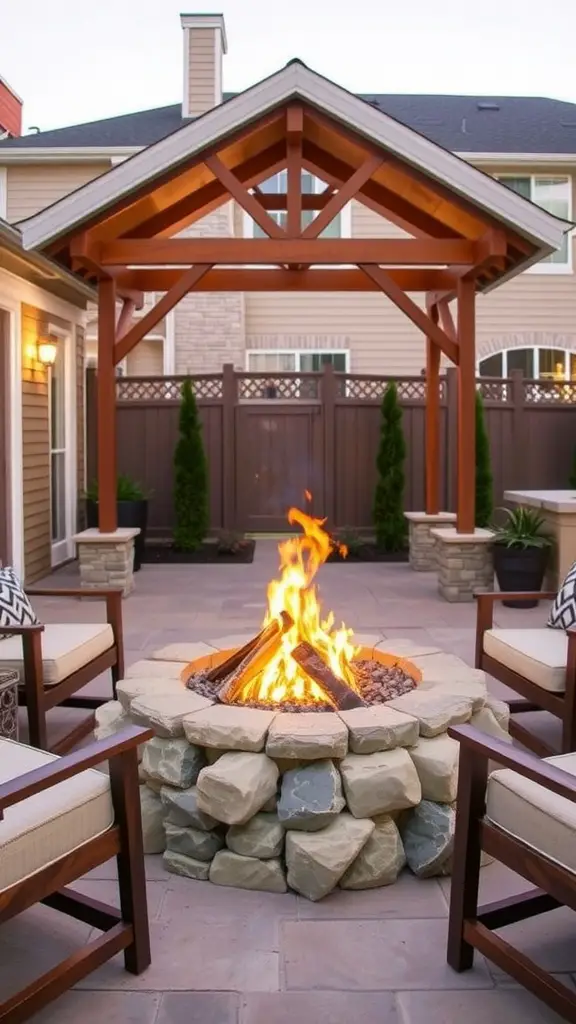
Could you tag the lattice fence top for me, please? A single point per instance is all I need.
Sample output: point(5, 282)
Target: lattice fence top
point(409, 389)
point(495, 390)
point(549, 392)
point(166, 389)
point(261, 387)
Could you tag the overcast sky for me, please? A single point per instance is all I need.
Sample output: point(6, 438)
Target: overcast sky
point(73, 62)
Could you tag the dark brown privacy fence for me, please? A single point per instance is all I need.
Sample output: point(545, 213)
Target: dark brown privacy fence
point(271, 437)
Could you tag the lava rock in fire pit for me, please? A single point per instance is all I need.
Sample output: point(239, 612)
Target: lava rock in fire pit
point(192, 842)
point(307, 736)
point(172, 761)
point(380, 860)
point(262, 836)
point(311, 797)
point(380, 783)
point(316, 861)
point(379, 683)
point(237, 786)
point(182, 806)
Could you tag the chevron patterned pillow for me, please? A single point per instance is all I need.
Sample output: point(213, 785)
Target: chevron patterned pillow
point(15, 608)
point(563, 611)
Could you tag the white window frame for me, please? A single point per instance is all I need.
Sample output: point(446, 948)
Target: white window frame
point(536, 349)
point(543, 267)
point(318, 187)
point(297, 352)
point(62, 550)
point(4, 193)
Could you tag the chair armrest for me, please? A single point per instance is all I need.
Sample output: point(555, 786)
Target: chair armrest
point(504, 595)
point(21, 630)
point(63, 768)
point(73, 591)
point(531, 767)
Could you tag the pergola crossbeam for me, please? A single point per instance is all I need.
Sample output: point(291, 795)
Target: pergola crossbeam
point(273, 280)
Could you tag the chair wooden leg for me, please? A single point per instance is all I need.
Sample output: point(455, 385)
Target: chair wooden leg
point(470, 803)
point(131, 877)
point(569, 716)
point(34, 690)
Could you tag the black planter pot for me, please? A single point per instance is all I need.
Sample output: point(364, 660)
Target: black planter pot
point(520, 569)
point(130, 514)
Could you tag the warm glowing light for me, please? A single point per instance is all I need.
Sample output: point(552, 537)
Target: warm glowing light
point(47, 350)
point(282, 679)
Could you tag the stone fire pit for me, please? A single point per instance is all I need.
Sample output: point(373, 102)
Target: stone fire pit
point(266, 799)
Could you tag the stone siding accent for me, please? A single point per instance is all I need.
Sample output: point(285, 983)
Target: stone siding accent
point(108, 562)
point(465, 566)
point(422, 543)
point(209, 327)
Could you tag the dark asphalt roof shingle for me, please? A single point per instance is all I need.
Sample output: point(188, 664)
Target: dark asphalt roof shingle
point(463, 124)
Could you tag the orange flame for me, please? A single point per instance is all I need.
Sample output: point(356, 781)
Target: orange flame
point(282, 679)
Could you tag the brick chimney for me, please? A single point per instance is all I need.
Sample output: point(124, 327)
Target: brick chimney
point(204, 46)
point(10, 111)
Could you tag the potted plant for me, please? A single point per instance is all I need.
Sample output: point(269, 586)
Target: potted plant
point(132, 508)
point(521, 551)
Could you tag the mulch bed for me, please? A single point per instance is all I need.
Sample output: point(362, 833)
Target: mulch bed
point(368, 553)
point(167, 554)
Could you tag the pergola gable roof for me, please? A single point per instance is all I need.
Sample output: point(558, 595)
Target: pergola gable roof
point(296, 82)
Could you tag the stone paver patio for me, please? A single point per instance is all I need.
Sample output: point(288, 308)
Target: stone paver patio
point(222, 956)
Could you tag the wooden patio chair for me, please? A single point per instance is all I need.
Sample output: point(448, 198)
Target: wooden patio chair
point(59, 819)
point(523, 815)
point(56, 660)
point(538, 663)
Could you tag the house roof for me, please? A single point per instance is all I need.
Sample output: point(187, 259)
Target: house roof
point(543, 231)
point(463, 124)
point(40, 270)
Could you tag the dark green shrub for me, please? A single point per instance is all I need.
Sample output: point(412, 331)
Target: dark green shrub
point(190, 477)
point(389, 521)
point(484, 488)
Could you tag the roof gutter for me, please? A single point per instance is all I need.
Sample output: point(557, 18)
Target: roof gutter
point(65, 154)
point(518, 158)
point(11, 239)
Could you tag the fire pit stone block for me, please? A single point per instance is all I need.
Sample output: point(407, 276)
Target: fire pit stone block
point(443, 668)
point(172, 761)
point(261, 837)
point(307, 736)
point(311, 796)
point(436, 762)
point(165, 713)
point(229, 727)
point(237, 786)
point(380, 860)
point(192, 842)
point(380, 783)
point(473, 689)
point(184, 652)
point(150, 669)
point(316, 861)
point(179, 864)
point(435, 712)
point(230, 868)
point(128, 690)
point(152, 813)
point(428, 837)
point(379, 728)
point(181, 806)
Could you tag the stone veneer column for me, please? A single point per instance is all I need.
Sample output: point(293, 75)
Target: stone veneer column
point(107, 559)
point(422, 544)
point(465, 565)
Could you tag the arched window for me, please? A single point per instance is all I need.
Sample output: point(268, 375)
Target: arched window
point(538, 363)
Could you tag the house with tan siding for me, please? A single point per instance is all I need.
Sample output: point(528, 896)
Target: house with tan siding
point(529, 324)
point(43, 312)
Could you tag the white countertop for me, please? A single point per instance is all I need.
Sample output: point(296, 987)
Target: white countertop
point(554, 501)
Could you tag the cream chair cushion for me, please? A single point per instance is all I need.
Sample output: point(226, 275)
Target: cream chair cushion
point(42, 828)
point(537, 654)
point(65, 649)
point(530, 812)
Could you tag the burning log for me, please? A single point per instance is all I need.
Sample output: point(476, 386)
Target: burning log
point(343, 696)
point(221, 672)
point(251, 659)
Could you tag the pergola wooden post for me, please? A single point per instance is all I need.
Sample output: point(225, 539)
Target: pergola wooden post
point(454, 247)
point(106, 406)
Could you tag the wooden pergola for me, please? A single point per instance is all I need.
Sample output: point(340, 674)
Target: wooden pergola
point(120, 236)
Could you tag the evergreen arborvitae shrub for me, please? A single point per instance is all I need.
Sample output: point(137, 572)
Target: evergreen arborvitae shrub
point(389, 520)
point(190, 477)
point(484, 496)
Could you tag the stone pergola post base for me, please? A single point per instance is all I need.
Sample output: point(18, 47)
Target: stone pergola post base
point(107, 559)
point(465, 564)
point(422, 545)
